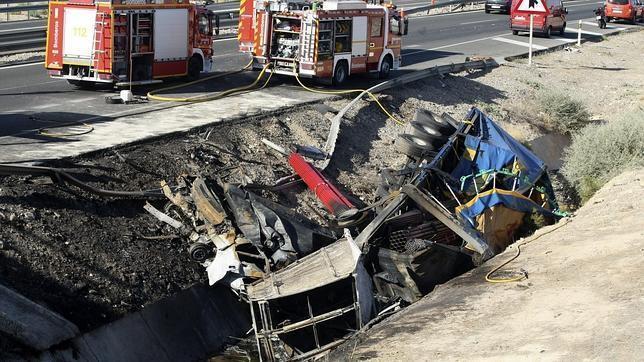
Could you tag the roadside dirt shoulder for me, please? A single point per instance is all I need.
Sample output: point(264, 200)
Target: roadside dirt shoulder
point(581, 301)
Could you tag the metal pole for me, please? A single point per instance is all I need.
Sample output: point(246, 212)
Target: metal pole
point(579, 34)
point(530, 47)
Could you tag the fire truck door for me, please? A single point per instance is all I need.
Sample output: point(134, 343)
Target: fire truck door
point(376, 41)
point(359, 37)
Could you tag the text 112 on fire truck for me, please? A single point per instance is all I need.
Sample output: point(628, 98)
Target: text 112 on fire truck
point(327, 40)
point(126, 42)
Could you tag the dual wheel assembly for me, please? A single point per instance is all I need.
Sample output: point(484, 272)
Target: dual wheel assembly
point(424, 135)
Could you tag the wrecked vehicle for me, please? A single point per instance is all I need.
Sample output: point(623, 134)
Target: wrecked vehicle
point(460, 199)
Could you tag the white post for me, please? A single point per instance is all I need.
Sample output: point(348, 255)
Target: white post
point(579, 34)
point(530, 47)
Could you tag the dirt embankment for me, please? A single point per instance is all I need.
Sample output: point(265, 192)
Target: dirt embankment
point(582, 299)
point(93, 260)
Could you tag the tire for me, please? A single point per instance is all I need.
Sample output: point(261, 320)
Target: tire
point(487, 11)
point(199, 252)
point(195, 65)
point(427, 133)
point(413, 146)
point(548, 32)
point(515, 32)
point(341, 73)
point(562, 31)
point(385, 67)
point(431, 120)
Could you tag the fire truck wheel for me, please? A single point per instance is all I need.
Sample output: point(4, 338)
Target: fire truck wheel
point(194, 67)
point(385, 67)
point(412, 146)
point(562, 30)
point(548, 31)
point(515, 32)
point(341, 73)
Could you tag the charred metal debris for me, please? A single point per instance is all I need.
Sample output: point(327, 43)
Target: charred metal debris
point(465, 190)
point(460, 199)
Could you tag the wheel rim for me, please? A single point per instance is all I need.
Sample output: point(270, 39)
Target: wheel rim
point(385, 67)
point(341, 74)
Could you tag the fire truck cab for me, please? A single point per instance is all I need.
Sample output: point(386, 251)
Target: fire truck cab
point(125, 42)
point(327, 40)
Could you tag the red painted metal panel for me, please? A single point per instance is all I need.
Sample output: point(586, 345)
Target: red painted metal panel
point(246, 30)
point(167, 69)
point(54, 51)
point(330, 196)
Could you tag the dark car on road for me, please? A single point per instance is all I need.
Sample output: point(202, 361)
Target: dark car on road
point(498, 5)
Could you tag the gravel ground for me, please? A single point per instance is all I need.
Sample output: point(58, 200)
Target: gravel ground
point(92, 259)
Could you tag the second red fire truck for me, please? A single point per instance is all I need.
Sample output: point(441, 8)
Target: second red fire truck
point(327, 40)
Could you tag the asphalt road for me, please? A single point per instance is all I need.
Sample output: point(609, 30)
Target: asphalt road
point(30, 100)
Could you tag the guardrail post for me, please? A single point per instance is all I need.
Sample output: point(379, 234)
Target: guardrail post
point(530, 46)
point(579, 34)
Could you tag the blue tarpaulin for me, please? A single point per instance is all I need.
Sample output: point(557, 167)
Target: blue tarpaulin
point(488, 148)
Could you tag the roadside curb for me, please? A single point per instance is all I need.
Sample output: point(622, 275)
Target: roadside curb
point(30, 61)
point(559, 47)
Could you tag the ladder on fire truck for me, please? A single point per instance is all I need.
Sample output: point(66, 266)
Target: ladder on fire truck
point(97, 42)
point(308, 39)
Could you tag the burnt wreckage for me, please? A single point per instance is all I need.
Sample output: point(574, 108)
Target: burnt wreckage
point(460, 199)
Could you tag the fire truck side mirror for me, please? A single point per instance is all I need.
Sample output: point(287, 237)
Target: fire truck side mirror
point(214, 23)
point(394, 25)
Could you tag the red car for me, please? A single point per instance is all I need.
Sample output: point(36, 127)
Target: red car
point(555, 20)
point(631, 10)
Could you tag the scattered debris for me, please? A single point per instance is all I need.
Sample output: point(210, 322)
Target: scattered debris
point(458, 201)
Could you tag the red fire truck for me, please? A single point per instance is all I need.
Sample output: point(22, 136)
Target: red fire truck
point(327, 40)
point(127, 41)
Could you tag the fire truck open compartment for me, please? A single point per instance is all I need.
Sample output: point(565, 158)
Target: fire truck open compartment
point(286, 38)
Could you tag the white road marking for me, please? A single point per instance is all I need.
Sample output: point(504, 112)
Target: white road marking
point(565, 40)
point(607, 27)
point(575, 30)
point(412, 46)
point(21, 65)
point(572, 6)
point(14, 111)
point(82, 100)
point(480, 21)
point(48, 105)
point(520, 43)
point(225, 39)
point(452, 45)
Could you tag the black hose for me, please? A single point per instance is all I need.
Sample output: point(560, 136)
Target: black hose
point(63, 176)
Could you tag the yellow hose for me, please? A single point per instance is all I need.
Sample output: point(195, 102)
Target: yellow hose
point(203, 98)
point(351, 91)
point(43, 131)
point(524, 275)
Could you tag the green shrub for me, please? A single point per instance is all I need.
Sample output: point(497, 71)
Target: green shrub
point(600, 152)
point(562, 113)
